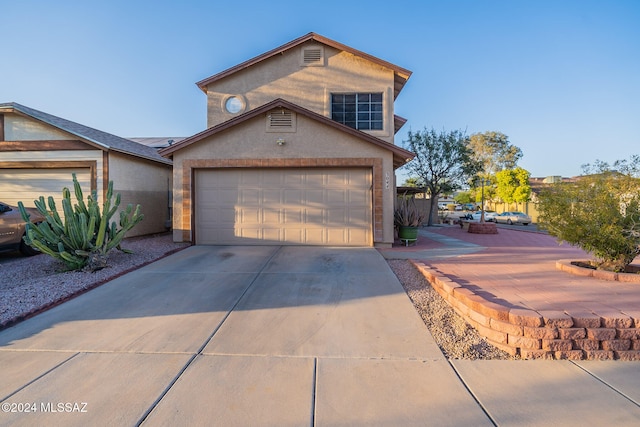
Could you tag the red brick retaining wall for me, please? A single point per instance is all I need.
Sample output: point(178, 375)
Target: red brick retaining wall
point(542, 334)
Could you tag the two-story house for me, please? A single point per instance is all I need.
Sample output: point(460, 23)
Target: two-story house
point(299, 150)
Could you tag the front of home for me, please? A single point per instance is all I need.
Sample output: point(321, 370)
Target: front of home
point(39, 152)
point(299, 150)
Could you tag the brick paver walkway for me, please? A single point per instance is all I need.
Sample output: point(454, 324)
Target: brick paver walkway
point(518, 268)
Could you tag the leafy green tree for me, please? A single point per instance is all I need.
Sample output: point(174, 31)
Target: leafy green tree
point(412, 182)
point(599, 213)
point(494, 152)
point(512, 185)
point(443, 161)
point(464, 197)
point(489, 191)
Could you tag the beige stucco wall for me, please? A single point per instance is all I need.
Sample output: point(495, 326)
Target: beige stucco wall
point(282, 76)
point(145, 183)
point(20, 128)
point(312, 140)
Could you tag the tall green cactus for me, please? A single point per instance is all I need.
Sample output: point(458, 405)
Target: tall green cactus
point(86, 235)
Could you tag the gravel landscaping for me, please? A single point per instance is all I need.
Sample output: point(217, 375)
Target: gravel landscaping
point(454, 336)
point(30, 285)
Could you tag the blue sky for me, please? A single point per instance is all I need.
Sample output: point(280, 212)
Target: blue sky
point(560, 78)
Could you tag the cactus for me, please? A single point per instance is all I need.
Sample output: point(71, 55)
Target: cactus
point(87, 234)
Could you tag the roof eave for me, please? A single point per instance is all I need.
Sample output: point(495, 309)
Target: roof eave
point(398, 123)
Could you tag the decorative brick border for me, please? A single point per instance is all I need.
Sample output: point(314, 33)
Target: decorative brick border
point(375, 164)
point(542, 334)
point(566, 266)
point(483, 228)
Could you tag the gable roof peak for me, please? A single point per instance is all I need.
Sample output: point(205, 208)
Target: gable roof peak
point(401, 75)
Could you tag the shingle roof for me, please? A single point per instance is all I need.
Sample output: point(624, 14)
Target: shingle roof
point(103, 140)
point(400, 155)
point(401, 75)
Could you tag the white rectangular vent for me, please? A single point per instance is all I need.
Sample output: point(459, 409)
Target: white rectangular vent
point(313, 56)
point(281, 120)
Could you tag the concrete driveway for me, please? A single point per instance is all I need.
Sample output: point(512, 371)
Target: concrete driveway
point(235, 335)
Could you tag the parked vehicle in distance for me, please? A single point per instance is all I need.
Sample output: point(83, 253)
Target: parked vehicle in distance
point(469, 206)
point(489, 216)
point(12, 229)
point(513, 218)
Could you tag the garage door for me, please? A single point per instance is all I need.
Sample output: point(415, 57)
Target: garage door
point(26, 185)
point(283, 206)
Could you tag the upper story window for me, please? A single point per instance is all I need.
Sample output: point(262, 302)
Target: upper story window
point(361, 111)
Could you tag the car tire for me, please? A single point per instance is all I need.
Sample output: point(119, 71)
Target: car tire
point(509, 222)
point(525, 223)
point(27, 250)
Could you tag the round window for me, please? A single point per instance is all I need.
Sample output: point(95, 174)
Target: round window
point(233, 104)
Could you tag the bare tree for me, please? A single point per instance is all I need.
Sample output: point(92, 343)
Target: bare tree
point(443, 161)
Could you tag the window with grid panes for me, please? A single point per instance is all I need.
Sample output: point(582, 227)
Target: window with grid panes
point(361, 111)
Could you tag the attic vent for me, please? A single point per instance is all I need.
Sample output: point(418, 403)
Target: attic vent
point(281, 120)
point(313, 56)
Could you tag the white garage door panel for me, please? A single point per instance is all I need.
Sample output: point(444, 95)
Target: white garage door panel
point(283, 206)
point(26, 185)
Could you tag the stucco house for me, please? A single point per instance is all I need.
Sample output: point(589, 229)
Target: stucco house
point(299, 149)
point(39, 152)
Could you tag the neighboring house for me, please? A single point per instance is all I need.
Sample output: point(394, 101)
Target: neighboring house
point(157, 142)
point(39, 152)
point(299, 150)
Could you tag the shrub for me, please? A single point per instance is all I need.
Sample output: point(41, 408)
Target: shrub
point(86, 235)
point(599, 213)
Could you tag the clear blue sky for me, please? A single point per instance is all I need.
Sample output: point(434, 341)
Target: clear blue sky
point(561, 78)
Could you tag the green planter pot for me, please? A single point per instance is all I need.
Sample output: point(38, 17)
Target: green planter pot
point(408, 233)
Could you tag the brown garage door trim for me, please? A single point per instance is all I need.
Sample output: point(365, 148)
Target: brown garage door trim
point(189, 166)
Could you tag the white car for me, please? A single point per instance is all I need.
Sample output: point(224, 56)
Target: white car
point(513, 218)
point(489, 216)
